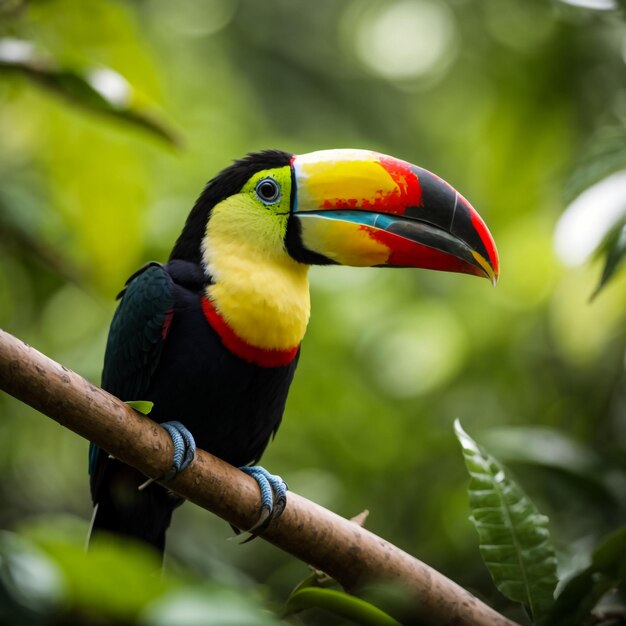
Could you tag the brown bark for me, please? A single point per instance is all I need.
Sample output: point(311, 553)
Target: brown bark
point(339, 547)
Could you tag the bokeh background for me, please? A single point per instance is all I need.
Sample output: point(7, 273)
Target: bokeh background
point(502, 98)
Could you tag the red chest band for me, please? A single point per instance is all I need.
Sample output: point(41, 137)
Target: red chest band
point(259, 356)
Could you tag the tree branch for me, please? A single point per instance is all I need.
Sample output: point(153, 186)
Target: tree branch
point(339, 547)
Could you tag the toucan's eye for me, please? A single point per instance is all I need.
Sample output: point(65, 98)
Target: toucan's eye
point(268, 191)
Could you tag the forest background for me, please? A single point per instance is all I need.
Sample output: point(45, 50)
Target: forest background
point(113, 115)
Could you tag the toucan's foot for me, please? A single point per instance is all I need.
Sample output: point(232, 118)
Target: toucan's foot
point(184, 448)
point(273, 496)
point(184, 451)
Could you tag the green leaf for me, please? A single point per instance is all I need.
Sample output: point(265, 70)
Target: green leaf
point(577, 600)
point(514, 538)
point(614, 247)
point(339, 603)
point(119, 581)
point(540, 445)
point(88, 575)
point(89, 89)
point(583, 591)
point(605, 155)
point(208, 606)
point(142, 406)
point(32, 588)
point(608, 557)
point(549, 448)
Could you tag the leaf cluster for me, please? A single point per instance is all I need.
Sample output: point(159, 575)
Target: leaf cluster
point(516, 547)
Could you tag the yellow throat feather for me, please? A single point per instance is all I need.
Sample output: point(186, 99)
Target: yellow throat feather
point(260, 291)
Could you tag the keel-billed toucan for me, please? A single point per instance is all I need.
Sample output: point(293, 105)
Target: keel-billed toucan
point(212, 337)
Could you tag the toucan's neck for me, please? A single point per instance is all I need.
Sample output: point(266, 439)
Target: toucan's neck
point(262, 296)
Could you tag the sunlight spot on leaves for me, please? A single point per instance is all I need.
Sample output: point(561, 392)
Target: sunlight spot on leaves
point(589, 218)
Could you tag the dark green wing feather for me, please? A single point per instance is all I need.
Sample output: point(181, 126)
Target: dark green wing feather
point(137, 332)
point(136, 338)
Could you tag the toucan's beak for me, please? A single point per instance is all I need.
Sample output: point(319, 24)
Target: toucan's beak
point(357, 207)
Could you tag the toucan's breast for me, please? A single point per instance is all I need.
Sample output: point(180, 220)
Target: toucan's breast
point(232, 405)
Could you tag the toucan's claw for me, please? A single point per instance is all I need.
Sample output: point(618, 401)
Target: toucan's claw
point(184, 451)
point(273, 497)
point(184, 448)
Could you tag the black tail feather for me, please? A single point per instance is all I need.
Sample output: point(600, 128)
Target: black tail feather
point(120, 508)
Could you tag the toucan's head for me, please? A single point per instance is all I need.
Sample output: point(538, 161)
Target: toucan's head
point(347, 207)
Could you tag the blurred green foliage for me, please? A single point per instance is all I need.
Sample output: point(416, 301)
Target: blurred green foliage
point(503, 98)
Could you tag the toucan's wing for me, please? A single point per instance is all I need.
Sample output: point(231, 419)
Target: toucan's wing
point(138, 331)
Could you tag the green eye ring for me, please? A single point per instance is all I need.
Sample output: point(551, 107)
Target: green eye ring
point(268, 191)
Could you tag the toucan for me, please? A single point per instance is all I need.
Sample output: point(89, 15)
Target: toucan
point(212, 337)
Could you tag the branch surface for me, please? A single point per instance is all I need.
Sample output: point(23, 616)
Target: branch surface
point(352, 555)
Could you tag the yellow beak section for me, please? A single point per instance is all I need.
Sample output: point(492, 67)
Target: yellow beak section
point(345, 242)
point(348, 179)
point(362, 208)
